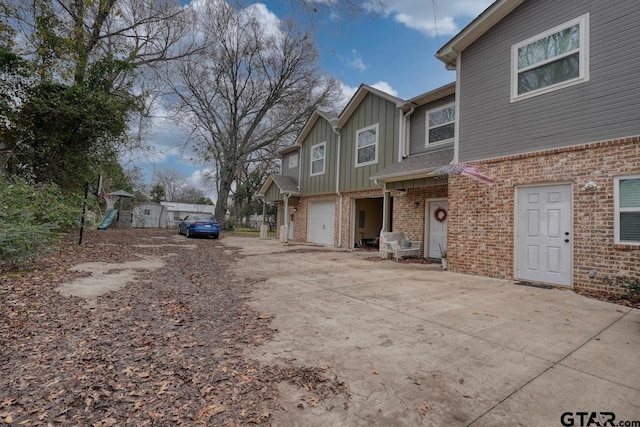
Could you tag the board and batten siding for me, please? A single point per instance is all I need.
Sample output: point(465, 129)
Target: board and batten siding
point(418, 125)
point(372, 110)
point(272, 194)
point(605, 107)
point(325, 183)
point(286, 170)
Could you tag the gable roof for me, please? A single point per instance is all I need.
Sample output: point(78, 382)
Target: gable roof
point(476, 28)
point(359, 96)
point(286, 185)
point(433, 95)
point(317, 114)
point(415, 166)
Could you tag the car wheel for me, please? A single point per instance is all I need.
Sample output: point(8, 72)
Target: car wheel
point(179, 231)
point(188, 233)
point(215, 236)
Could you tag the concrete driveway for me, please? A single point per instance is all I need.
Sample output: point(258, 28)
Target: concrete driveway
point(419, 346)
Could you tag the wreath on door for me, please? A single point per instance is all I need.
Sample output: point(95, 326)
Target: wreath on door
point(440, 214)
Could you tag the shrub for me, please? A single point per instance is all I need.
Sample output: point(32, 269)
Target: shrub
point(31, 217)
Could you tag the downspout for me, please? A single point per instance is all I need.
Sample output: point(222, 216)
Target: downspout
point(456, 126)
point(285, 218)
point(337, 132)
point(404, 139)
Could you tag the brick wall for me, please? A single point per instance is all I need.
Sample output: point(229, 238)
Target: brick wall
point(481, 219)
point(409, 217)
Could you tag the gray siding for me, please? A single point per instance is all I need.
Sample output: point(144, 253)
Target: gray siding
point(286, 170)
point(602, 108)
point(417, 126)
point(325, 183)
point(372, 110)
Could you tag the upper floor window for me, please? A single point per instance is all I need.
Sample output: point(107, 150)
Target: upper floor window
point(441, 124)
point(318, 153)
point(293, 161)
point(367, 146)
point(552, 60)
point(626, 192)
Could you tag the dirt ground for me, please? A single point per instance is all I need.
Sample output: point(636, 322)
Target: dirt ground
point(168, 348)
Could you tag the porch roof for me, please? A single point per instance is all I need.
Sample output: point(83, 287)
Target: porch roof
point(413, 167)
point(284, 185)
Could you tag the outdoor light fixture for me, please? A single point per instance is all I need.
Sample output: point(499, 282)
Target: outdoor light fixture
point(590, 186)
point(416, 203)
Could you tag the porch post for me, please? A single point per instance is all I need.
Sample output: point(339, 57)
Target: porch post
point(386, 210)
point(264, 228)
point(284, 228)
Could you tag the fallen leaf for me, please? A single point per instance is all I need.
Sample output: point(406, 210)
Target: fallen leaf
point(376, 373)
point(424, 407)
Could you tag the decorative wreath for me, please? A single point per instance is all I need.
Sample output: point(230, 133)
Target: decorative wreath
point(440, 215)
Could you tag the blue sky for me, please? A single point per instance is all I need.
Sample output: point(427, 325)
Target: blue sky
point(391, 49)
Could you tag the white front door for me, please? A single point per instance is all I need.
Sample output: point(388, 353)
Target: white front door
point(437, 238)
point(543, 234)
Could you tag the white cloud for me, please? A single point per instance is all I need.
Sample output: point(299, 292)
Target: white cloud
point(419, 14)
point(356, 62)
point(199, 179)
point(385, 87)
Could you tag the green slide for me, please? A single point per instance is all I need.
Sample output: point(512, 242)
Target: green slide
point(108, 219)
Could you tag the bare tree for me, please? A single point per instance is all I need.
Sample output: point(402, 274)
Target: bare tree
point(172, 181)
point(252, 89)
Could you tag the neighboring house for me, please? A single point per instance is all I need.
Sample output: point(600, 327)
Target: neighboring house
point(166, 214)
point(547, 105)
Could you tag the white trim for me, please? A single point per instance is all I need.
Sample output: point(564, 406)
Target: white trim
point(456, 132)
point(377, 145)
point(324, 159)
point(428, 127)
point(583, 55)
point(617, 210)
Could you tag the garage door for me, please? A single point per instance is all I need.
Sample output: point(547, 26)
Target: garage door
point(321, 222)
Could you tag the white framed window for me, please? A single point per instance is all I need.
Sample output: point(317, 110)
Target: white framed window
point(318, 154)
point(441, 123)
point(147, 211)
point(551, 60)
point(367, 146)
point(626, 196)
point(293, 161)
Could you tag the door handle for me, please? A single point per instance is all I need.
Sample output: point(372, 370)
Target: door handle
point(566, 240)
point(566, 233)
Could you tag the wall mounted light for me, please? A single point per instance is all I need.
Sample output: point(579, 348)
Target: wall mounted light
point(416, 203)
point(590, 186)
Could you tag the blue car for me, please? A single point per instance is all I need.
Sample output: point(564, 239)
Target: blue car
point(199, 225)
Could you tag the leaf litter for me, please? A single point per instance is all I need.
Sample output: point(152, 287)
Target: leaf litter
point(167, 349)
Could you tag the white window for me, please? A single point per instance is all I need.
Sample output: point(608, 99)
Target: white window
point(441, 123)
point(318, 153)
point(293, 161)
point(367, 146)
point(626, 194)
point(552, 60)
point(147, 211)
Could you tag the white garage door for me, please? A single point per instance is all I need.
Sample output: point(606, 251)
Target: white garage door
point(321, 222)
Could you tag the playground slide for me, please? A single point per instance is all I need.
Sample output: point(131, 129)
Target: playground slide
point(108, 219)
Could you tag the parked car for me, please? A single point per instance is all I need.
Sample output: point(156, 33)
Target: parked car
point(199, 225)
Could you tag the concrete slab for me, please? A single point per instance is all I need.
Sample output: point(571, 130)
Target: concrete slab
point(419, 346)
